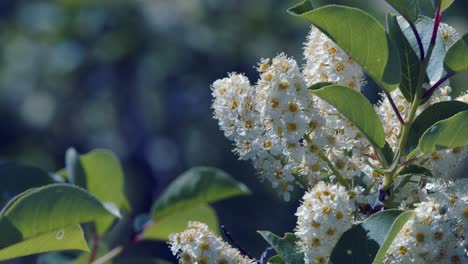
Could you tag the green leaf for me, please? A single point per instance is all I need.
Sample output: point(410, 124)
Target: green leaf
point(414, 170)
point(456, 58)
point(276, 260)
point(47, 218)
point(361, 36)
point(285, 247)
point(409, 9)
point(177, 222)
point(410, 63)
point(448, 133)
point(84, 258)
point(96, 170)
point(199, 185)
point(397, 225)
point(67, 238)
point(425, 25)
point(354, 106)
point(16, 178)
point(142, 261)
point(445, 4)
point(361, 243)
point(430, 116)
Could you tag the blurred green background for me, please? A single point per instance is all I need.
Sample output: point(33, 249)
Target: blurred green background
point(134, 76)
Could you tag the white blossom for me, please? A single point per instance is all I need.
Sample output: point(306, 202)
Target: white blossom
point(326, 62)
point(325, 214)
point(198, 245)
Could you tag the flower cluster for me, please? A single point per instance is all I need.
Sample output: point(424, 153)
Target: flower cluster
point(325, 214)
point(282, 129)
point(197, 245)
point(429, 237)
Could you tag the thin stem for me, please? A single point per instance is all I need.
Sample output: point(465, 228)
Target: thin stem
point(229, 237)
point(338, 175)
point(394, 107)
point(418, 39)
point(438, 18)
point(110, 255)
point(94, 250)
point(437, 84)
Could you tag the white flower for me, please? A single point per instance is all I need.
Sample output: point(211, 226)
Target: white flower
point(325, 214)
point(326, 62)
point(428, 237)
point(197, 245)
point(449, 34)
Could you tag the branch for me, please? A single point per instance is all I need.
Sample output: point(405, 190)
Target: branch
point(93, 254)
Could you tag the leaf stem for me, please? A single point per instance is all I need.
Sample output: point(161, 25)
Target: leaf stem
point(94, 250)
point(418, 40)
point(394, 107)
point(338, 175)
point(437, 84)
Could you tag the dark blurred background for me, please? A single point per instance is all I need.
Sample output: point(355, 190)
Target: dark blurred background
point(134, 76)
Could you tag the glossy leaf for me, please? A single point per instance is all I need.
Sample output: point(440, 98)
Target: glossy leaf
point(17, 178)
point(361, 243)
point(425, 25)
point(456, 58)
point(199, 185)
point(410, 63)
point(397, 225)
point(361, 36)
point(96, 170)
point(160, 230)
point(431, 115)
point(409, 9)
point(354, 106)
point(285, 247)
point(448, 133)
point(40, 214)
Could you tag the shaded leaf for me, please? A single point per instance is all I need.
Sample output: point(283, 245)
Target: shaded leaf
point(431, 115)
point(276, 260)
point(17, 178)
point(415, 170)
point(409, 9)
point(448, 133)
point(361, 243)
point(177, 222)
point(354, 106)
point(425, 25)
point(95, 170)
point(361, 36)
point(410, 63)
point(285, 247)
point(199, 185)
point(397, 225)
point(456, 58)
